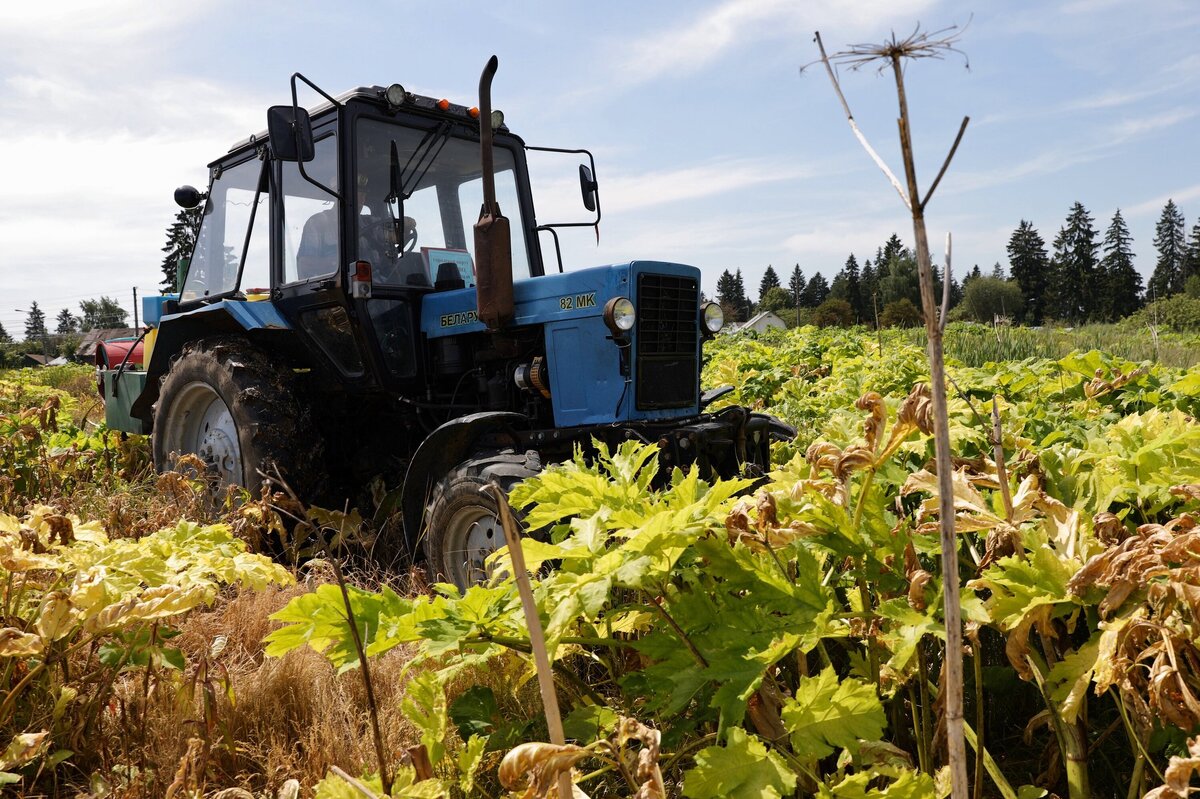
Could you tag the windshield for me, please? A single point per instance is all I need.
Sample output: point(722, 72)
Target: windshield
point(435, 177)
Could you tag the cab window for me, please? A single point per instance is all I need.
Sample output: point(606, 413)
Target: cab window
point(310, 216)
point(236, 198)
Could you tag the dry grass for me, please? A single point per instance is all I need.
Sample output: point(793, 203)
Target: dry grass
point(291, 717)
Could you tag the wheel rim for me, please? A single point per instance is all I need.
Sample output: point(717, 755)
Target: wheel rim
point(202, 425)
point(473, 533)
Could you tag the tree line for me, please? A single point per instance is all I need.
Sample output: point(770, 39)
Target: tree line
point(68, 330)
point(1082, 278)
point(98, 313)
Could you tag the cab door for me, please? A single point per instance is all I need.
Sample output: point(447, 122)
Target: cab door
point(309, 273)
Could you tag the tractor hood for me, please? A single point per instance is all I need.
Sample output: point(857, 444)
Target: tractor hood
point(592, 379)
point(543, 300)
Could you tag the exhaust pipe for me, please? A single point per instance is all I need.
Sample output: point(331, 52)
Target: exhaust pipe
point(493, 241)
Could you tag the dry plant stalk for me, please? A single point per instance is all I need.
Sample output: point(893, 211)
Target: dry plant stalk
point(537, 639)
point(893, 53)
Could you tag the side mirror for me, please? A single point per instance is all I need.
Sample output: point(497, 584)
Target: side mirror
point(290, 133)
point(587, 187)
point(188, 197)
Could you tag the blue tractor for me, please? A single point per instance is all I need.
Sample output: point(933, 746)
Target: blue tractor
point(346, 314)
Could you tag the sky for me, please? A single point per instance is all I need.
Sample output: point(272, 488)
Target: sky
point(712, 147)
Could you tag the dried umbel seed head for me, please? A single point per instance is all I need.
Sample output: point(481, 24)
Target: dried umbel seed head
point(823, 456)
point(873, 403)
point(854, 459)
point(917, 409)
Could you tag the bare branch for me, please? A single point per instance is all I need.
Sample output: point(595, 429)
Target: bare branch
point(858, 133)
point(933, 187)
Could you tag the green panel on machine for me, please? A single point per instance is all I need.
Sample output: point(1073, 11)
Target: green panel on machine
point(119, 396)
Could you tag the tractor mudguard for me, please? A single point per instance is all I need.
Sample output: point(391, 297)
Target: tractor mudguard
point(220, 318)
point(778, 430)
point(445, 448)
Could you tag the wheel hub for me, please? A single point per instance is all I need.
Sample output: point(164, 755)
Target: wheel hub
point(477, 533)
point(204, 426)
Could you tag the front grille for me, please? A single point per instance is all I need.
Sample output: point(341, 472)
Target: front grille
point(667, 370)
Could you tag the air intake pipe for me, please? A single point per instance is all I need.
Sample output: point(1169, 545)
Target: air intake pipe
point(493, 251)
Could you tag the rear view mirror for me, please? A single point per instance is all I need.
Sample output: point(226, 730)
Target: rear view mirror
point(587, 186)
point(187, 197)
point(290, 133)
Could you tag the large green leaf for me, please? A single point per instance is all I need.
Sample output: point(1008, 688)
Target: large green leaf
point(742, 769)
point(826, 715)
point(425, 706)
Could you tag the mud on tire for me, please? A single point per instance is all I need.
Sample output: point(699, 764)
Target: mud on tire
point(237, 409)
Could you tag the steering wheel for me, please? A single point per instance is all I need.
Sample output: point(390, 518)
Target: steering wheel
point(380, 233)
point(410, 236)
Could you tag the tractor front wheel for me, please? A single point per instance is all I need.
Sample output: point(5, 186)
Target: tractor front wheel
point(462, 521)
point(227, 403)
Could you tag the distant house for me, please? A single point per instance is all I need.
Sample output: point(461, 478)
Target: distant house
point(761, 323)
point(86, 351)
point(36, 359)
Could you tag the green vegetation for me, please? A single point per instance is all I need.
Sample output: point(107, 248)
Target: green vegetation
point(708, 639)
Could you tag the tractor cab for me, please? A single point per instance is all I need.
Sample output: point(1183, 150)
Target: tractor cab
point(346, 234)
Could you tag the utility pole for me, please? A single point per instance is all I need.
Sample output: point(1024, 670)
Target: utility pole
point(136, 325)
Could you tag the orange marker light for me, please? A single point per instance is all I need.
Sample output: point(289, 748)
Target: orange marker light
point(474, 112)
point(443, 105)
point(362, 270)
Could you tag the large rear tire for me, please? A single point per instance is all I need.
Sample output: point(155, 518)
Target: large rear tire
point(462, 522)
point(226, 402)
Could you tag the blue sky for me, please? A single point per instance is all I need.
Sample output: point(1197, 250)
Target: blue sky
point(712, 148)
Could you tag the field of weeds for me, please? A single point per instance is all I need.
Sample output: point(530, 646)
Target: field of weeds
point(707, 640)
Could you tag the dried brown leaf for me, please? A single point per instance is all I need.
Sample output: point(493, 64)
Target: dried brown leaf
point(535, 766)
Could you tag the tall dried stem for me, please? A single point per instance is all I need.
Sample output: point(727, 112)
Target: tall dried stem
point(893, 53)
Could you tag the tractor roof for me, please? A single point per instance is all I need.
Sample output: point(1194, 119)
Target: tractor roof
point(375, 94)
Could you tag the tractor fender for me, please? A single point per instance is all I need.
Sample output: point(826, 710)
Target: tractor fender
point(221, 318)
point(445, 448)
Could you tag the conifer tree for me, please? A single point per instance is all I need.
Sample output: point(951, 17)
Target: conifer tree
point(1122, 286)
point(816, 292)
point(1169, 242)
point(892, 248)
point(769, 281)
point(1030, 268)
point(35, 323)
point(796, 285)
point(727, 293)
point(181, 238)
point(1073, 285)
point(743, 300)
point(1191, 259)
point(869, 288)
point(854, 288)
point(67, 322)
point(4, 337)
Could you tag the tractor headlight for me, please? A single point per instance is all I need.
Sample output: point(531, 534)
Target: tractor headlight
point(713, 316)
point(619, 315)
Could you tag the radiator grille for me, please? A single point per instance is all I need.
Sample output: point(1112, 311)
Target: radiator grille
point(667, 370)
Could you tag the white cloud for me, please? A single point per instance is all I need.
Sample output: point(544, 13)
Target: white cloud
point(714, 33)
point(1140, 126)
point(1155, 205)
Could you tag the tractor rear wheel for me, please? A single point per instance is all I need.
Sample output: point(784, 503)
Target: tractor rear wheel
point(226, 402)
point(462, 521)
